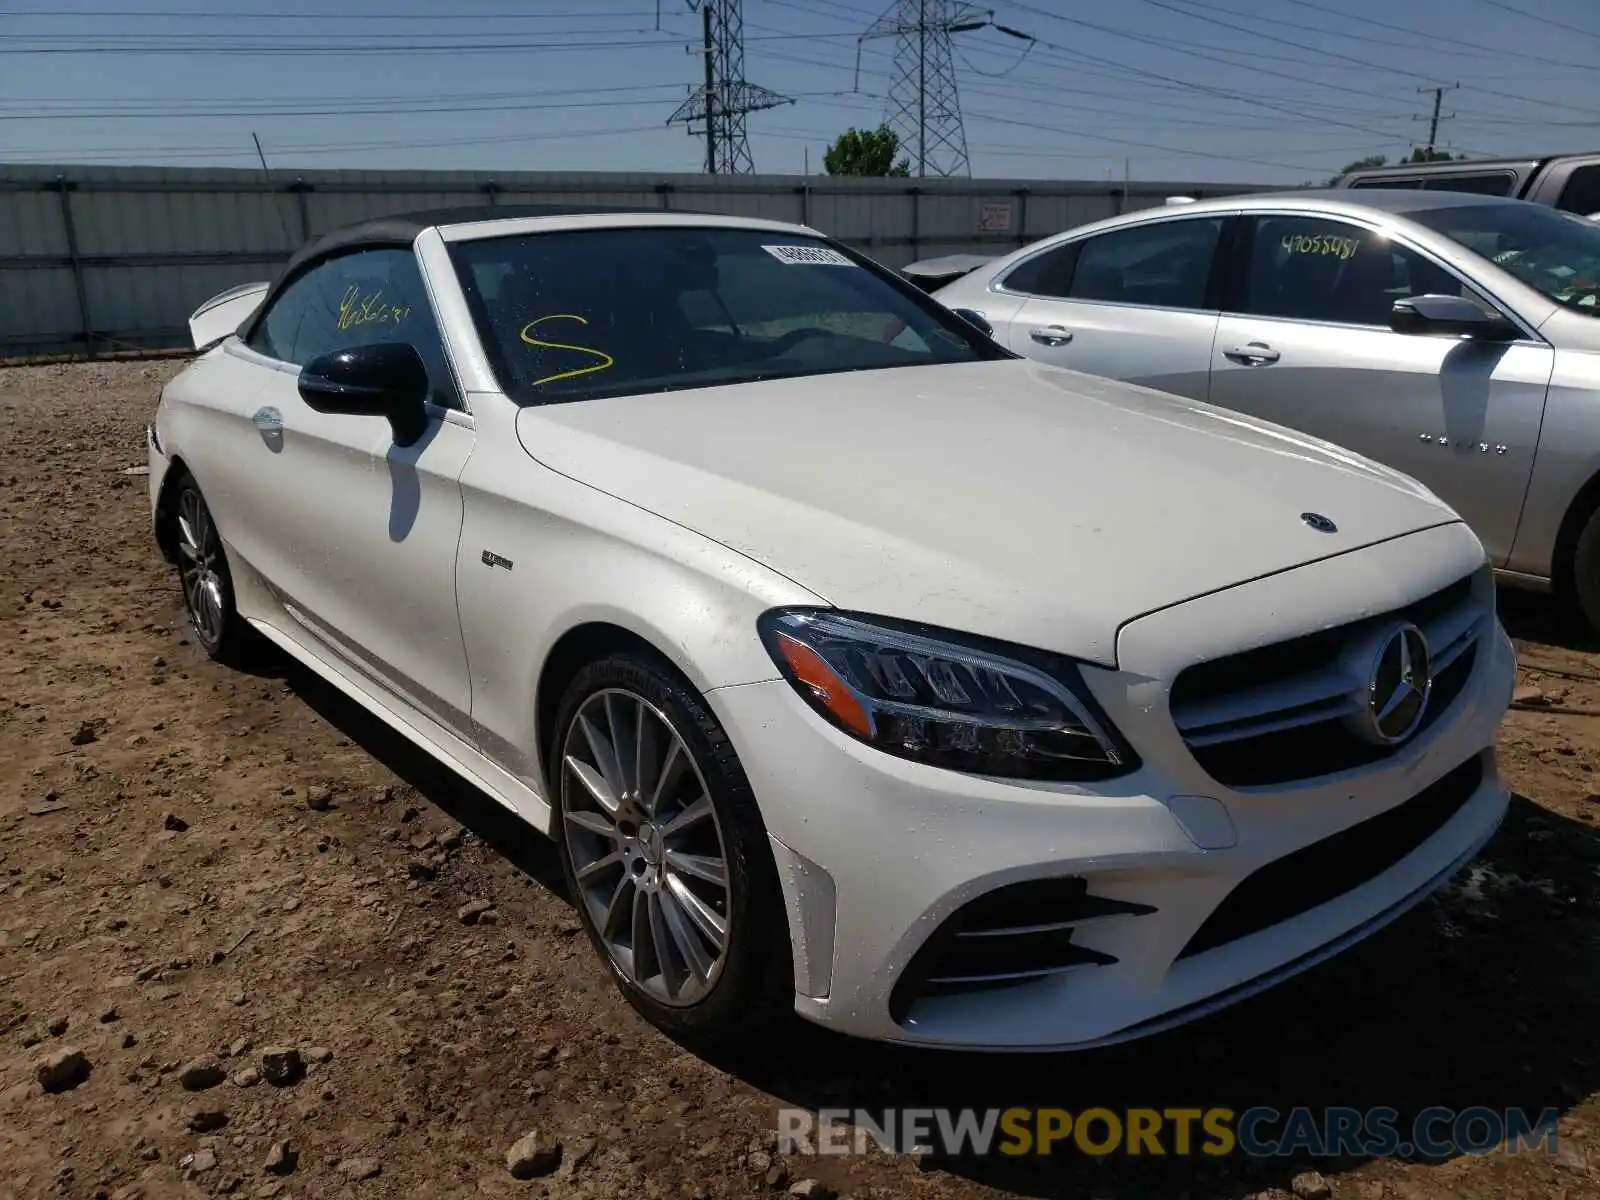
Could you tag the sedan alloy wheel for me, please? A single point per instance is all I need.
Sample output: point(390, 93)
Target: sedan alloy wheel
point(203, 571)
point(646, 847)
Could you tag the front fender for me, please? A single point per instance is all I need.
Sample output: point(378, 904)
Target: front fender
point(542, 555)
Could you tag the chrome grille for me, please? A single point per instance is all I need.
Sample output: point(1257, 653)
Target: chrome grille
point(1287, 711)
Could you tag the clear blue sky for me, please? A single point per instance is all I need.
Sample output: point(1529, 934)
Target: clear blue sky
point(1207, 90)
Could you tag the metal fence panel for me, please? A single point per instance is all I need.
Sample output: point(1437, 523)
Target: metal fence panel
point(97, 259)
point(30, 223)
point(38, 309)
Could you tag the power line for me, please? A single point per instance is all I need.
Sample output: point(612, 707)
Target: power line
point(190, 151)
point(1320, 117)
point(322, 49)
point(1427, 44)
point(1324, 108)
point(1180, 48)
point(1300, 80)
point(1333, 54)
point(1434, 37)
point(393, 110)
point(1256, 33)
point(365, 17)
point(1149, 82)
point(1540, 17)
point(1386, 138)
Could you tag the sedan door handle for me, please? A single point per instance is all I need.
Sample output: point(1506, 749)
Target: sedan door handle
point(1256, 354)
point(1051, 335)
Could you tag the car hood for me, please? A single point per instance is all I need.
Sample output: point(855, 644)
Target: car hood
point(1006, 499)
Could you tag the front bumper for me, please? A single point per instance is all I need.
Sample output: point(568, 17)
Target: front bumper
point(875, 853)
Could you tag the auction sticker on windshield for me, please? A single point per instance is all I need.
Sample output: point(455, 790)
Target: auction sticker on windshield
point(816, 256)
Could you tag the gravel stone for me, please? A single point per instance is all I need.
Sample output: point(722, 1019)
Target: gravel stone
point(201, 1074)
point(534, 1154)
point(282, 1066)
point(63, 1070)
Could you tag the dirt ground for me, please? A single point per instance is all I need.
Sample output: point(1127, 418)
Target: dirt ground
point(199, 864)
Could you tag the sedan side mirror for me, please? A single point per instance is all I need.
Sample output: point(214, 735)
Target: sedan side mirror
point(385, 379)
point(1454, 316)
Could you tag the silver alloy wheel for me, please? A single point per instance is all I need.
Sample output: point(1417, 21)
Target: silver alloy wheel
point(646, 847)
point(199, 557)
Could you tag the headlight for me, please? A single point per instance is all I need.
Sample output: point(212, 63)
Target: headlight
point(944, 699)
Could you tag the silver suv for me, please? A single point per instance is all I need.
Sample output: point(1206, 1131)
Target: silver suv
point(1454, 337)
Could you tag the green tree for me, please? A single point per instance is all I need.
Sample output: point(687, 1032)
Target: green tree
point(866, 152)
point(1360, 164)
point(1423, 154)
point(1363, 164)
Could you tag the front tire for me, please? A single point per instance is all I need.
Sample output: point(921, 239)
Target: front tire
point(665, 854)
point(208, 601)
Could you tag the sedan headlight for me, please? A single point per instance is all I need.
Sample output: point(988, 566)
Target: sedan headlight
point(944, 699)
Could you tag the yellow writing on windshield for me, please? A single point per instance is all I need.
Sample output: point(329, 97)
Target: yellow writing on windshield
point(356, 309)
point(1342, 248)
point(604, 360)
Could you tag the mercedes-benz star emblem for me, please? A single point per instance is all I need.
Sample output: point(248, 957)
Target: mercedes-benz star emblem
point(1319, 522)
point(1398, 687)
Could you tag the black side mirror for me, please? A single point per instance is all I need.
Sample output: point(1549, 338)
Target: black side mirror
point(1453, 316)
point(975, 318)
point(386, 379)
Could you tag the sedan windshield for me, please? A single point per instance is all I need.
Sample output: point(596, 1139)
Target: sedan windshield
point(1554, 252)
point(580, 314)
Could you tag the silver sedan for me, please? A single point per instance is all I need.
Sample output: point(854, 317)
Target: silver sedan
point(1455, 337)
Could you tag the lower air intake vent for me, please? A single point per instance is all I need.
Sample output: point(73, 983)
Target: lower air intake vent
point(1016, 934)
point(1326, 870)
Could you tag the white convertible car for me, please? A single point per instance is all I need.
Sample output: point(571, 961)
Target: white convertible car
point(858, 667)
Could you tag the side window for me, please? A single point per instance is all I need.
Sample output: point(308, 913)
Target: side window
point(1317, 269)
point(274, 335)
point(1582, 193)
point(1498, 183)
point(1412, 183)
point(366, 296)
point(1165, 265)
point(1494, 183)
point(1046, 274)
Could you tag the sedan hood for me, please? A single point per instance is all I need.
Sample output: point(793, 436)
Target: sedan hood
point(1006, 499)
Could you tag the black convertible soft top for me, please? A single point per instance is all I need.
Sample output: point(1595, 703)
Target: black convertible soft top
point(401, 229)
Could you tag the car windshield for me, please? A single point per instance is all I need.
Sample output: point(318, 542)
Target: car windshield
point(1552, 251)
point(580, 314)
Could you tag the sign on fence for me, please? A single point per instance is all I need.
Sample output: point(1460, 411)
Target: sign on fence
point(995, 218)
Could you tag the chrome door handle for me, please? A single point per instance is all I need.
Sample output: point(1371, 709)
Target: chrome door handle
point(1256, 354)
point(1051, 335)
point(267, 419)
